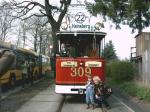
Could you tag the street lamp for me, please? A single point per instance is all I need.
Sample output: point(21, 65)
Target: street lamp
point(50, 48)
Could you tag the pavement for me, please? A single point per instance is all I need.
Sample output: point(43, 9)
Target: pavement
point(45, 101)
point(77, 104)
point(14, 90)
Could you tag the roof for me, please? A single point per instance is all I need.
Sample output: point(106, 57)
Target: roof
point(80, 35)
point(26, 51)
point(141, 34)
point(5, 44)
point(81, 32)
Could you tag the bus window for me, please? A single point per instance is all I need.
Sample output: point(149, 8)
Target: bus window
point(19, 61)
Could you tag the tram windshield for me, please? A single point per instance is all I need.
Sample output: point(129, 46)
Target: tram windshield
point(81, 44)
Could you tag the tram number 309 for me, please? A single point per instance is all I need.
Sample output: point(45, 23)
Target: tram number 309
point(80, 71)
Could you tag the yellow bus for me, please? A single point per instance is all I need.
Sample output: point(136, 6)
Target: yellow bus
point(36, 66)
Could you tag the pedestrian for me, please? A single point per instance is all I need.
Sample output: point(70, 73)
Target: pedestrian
point(100, 93)
point(24, 73)
point(90, 92)
point(31, 72)
point(63, 51)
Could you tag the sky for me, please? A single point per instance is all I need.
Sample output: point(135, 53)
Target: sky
point(122, 38)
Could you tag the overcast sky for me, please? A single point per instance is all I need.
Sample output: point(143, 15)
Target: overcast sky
point(123, 39)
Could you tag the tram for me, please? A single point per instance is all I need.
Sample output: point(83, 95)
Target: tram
point(80, 55)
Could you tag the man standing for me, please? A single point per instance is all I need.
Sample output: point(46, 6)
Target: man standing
point(24, 73)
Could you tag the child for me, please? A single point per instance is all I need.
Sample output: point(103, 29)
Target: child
point(100, 92)
point(90, 92)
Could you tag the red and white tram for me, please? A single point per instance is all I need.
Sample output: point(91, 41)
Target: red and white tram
point(82, 57)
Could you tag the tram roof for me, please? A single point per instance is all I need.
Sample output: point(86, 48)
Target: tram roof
point(80, 33)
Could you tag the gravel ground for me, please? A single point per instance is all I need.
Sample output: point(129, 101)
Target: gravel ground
point(16, 100)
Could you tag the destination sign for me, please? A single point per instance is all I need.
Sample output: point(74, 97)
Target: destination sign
point(69, 64)
point(93, 64)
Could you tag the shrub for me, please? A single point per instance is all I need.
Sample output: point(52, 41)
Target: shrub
point(133, 89)
point(120, 71)
point(130, 87)
point(108, 72)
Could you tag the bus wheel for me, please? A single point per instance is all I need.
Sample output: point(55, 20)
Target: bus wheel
point(12, 81)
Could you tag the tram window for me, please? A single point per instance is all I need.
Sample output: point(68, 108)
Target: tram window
point(79, 46)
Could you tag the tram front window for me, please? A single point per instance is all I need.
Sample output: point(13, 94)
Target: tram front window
point(81, 45)
point(80, 49)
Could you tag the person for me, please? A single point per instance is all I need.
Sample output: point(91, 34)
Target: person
point(90, 92)
point(63, 51)
point(30, 72)
point(100, 93)
point(24, 73)
point(72, 51)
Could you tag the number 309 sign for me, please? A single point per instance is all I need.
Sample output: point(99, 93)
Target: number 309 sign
point(80, 71)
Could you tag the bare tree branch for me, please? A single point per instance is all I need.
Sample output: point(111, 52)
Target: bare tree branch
point(49, 12)
point(45, 23)
point(63, 12)
point(33, 15)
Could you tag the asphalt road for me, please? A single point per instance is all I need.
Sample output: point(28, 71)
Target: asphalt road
point(77, 104)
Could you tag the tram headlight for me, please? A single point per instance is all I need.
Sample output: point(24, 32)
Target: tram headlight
point(99, 25)
point(81, 64)
point(75, 34)
point(64, 26)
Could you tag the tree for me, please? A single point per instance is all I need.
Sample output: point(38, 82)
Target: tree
point(5, 20)
point(109, 52)
point(135, 13)
point(22, 33)
point(47, 10)
point(138, 14)
point(40, 33)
